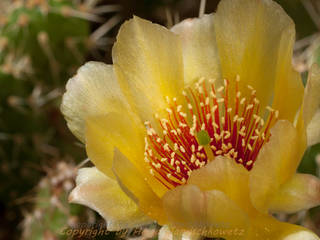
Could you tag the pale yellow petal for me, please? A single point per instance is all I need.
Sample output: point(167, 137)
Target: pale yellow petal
point(225, 175)
point(288, 92)
point(311, 106)
point(276, 163)
point(266, 227)
point(299, 193)
point(125, 132)
point(255, 40)
point(92, 91)
point(305, 235)
point(166, 233)
point(222, 210)
point(103, 133)
point(148, 64)
point(103, 194)
point(136, 186)
point(200, 53)
point(311, 101)
point(187, 207)
point(313, 129)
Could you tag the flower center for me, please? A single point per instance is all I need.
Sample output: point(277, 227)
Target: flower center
point(209, 122)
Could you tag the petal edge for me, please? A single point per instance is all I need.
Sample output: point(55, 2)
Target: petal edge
point(103, 194)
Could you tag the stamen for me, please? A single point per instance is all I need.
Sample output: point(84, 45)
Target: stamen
point(227, 125)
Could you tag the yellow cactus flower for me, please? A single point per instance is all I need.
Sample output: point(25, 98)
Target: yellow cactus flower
point(199, 128)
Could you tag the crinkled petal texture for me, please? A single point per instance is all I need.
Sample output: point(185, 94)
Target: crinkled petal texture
point(93, 91)
point(103, 194)
point(255, 40)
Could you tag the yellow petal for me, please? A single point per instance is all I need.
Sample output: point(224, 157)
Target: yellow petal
point(148, 64)
point(200, 53)
point(289, 86)
point(299, 193)
point(266, 227)
point(92, 91)
point(125, 132)
point(276, 163)
point(165, 233)
point(311, 102)
point(255, 40)
point(311, 106)
point(305, 235)
point(103, 194)
point(313, 129)
point(135, 185)
point(103, 133)
point(225, 175)
point(187, 207)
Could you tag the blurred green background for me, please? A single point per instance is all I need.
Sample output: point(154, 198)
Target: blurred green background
point(42, 43)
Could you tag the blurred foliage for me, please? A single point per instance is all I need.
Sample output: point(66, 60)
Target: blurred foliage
point(308, 163)
point(40, 47)
point(42, 43)
point(295, 9)
point(52, 212)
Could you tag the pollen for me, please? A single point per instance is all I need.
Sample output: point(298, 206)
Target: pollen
point(203, 124)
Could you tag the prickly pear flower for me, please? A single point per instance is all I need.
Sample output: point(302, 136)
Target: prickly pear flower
point(199, 128)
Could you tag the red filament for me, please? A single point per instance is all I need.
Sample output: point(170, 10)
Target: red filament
point(232, 123)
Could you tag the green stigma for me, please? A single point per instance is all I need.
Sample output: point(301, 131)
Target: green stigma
point(203, 137)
